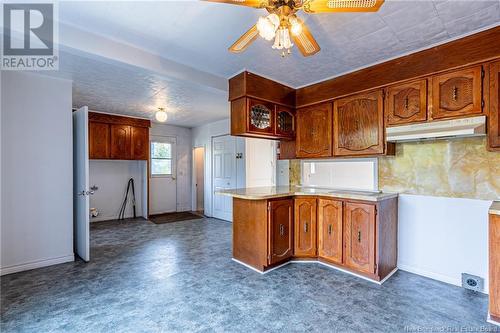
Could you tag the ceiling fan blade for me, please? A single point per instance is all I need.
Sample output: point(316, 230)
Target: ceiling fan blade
point(335, 6)
point(244, 41)
point(248, 3)
point(305, 41)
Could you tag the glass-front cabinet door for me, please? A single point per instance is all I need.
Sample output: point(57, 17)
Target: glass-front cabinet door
point(285, 122)
point(260, 116)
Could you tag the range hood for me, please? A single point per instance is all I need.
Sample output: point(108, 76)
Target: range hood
point(474, 126)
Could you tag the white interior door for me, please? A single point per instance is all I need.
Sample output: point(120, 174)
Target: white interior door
point(163, 181)
point(81, 183)
point(224, 175)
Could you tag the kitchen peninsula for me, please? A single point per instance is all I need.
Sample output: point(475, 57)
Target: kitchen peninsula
point(354, 231)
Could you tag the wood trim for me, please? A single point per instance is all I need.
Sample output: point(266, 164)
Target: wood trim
point(493, 100)
point(469, 50)
point(118, 120)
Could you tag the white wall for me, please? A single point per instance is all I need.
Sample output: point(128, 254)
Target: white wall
point(443, 237)
point(184, 162)
point(37, 177)
point(260, 163)
point(112, 177)
point(282, 172)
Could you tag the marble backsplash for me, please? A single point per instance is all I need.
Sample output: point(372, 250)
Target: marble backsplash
point(456, 168)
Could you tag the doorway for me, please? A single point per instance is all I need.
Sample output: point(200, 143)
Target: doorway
point(199, 179)
point(163, 175)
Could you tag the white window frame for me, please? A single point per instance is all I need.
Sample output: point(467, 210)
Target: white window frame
point(163, 139)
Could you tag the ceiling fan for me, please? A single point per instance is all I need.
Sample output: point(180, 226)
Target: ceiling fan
point(283, 25)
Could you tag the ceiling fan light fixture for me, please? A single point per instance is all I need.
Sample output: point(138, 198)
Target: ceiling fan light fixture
point(295, 26)
point(267, 26)
point(282, 40)
point(161, 115)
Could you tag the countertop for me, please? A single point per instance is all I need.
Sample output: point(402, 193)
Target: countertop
point(495, 208)
point(270, 192)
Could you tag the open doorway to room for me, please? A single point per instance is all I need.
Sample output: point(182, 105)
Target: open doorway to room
point(199, 180)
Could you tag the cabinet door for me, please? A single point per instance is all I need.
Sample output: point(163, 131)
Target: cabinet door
point(457, 93)
point(120, 142)
point(99, 140)
point(494, 117)
point(140, 143)
point(285, 122)
point(359, 125)
point(330, 230)
point(359, 236)
point(260, 116)
point(305, 227)
point(407, 103)
point(314, 131)
point(280, 230)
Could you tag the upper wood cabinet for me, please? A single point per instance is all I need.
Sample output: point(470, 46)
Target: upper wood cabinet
point(305, 227)
point(117, 137)
point(261, 107)
point(406, 103)
point(359, 236)
point(457, 93)
point(280, 230)
point(314, 131)
point(120, 142)
point(99, 144)
point(358, 123)
point(140, 143)
point(494, 116)
point(330, 230)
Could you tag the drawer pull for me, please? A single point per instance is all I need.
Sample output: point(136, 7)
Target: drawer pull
point(359, 236)
point(305, 227)
point(455, 94)
point(329, 229)
point(282, 230)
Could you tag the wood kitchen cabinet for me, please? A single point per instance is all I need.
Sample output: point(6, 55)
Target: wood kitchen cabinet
point(494, 264)
point(359, 237)
point(99, 144)
point(494, 116)
point(117, 137)
point(284, 122)
point(330, 234)
point(314, 131)
point(280, 230)
point(457, 93)
point(305, 227)
point(358, 125)
point(406, 103)
point(120, 142)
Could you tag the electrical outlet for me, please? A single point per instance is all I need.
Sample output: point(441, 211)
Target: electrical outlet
point(472, 282)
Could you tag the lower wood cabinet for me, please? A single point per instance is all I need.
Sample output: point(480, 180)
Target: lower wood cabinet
point(359, 236)
point(280, 230)
point(330, 230)
point(494, 266)
point(305, 227)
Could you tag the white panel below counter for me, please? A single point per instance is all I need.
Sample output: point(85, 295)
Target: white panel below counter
point(441, 238)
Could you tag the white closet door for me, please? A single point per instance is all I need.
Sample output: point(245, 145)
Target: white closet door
point(224, 175)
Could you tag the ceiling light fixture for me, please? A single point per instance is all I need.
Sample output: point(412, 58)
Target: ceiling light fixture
point(272, 26)
point(161, 115)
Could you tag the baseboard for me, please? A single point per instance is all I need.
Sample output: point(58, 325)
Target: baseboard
point(36, 264)
point(256, 270)
point(491, 321)
point(435, 276)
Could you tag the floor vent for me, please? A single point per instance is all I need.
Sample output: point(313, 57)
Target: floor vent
point(472, 282)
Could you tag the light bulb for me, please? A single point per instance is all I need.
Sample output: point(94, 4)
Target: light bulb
point(161, 115)
point(267, 26)
point(295, 26)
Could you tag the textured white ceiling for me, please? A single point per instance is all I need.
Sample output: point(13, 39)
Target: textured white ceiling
point(109, 86)
point(197, 34)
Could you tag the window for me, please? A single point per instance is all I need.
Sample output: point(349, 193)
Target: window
point(161, 159)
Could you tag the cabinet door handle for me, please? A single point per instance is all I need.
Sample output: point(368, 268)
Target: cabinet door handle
point(282, 230)
point(455, 93)
point(329, 229)
point(305, 227)
point(359, 236)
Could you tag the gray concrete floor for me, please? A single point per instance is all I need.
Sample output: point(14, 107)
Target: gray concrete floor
point(179, 277)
